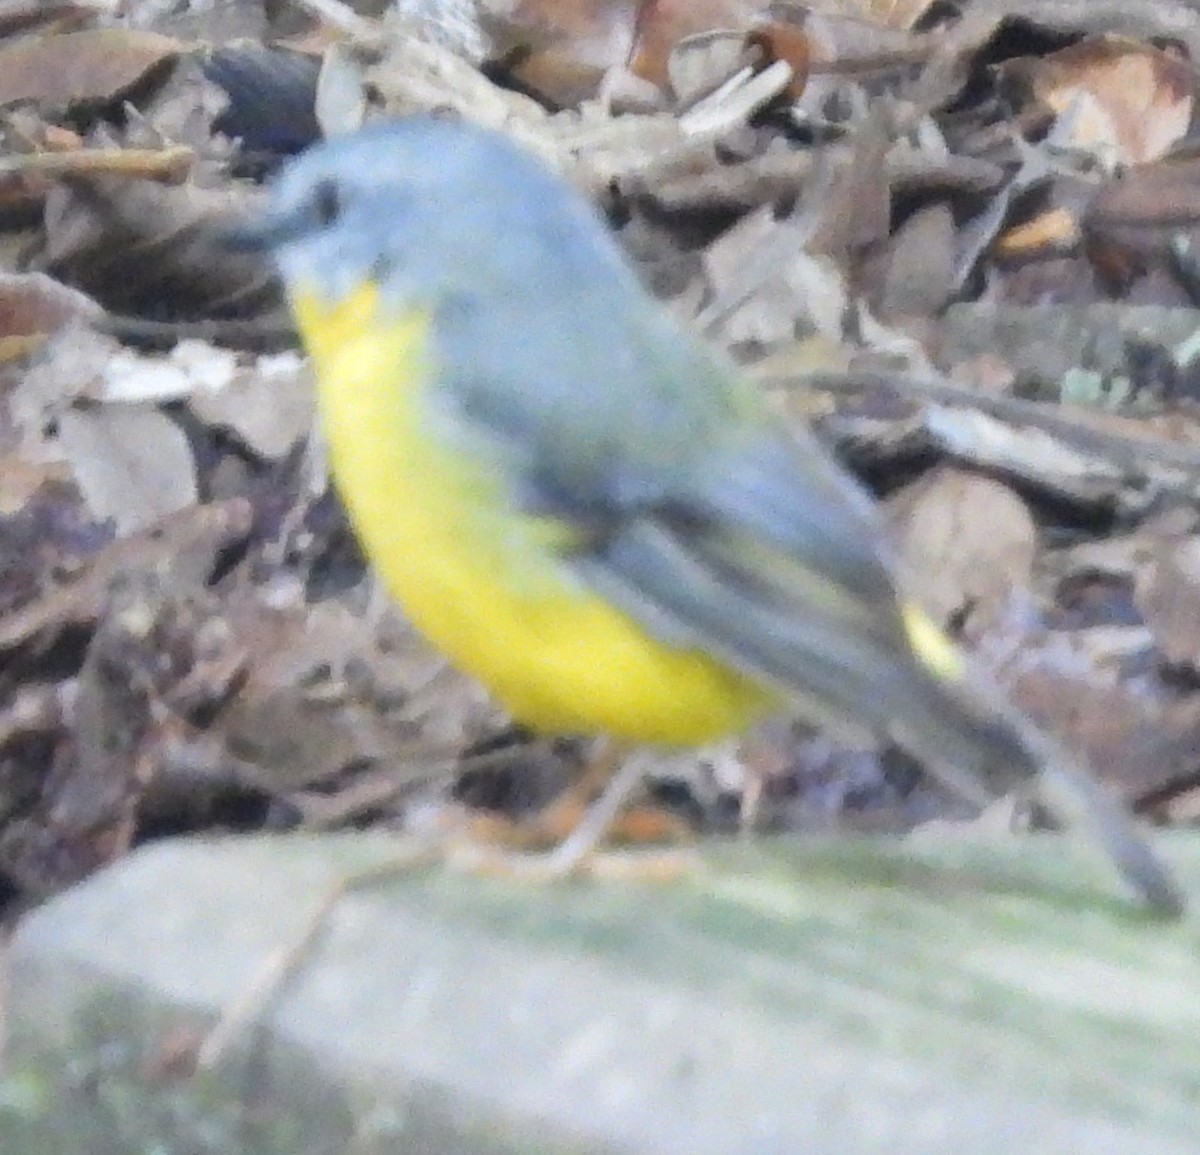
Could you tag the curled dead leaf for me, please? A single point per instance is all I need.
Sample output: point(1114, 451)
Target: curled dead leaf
point(699, 64)
point(662, 24)
point(789, 44)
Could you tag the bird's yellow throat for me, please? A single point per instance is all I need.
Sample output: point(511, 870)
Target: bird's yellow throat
point(483, 580)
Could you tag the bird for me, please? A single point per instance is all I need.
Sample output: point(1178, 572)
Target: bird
point(590, 509)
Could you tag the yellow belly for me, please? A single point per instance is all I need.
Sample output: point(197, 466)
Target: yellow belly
point(480, 579)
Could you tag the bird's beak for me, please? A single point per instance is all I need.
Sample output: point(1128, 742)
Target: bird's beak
point(264, 231)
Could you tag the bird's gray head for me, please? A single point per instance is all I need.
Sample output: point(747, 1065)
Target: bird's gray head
point(424, 204)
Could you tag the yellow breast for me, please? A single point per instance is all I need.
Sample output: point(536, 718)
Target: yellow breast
point(481, 579)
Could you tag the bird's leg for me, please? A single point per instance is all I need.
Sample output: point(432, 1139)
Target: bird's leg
point(616, 775)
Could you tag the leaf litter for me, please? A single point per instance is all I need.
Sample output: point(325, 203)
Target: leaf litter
point(960, 241)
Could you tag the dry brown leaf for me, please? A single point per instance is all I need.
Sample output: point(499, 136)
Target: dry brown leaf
point(265, 401)
point(1164, 194)
point(1136, 747)
point(843, 44)
point(568, 45)
point(661, 24)
point(95, 66)
point(766, 286)
point(187, 544)
point(892, 15)
point(267, 404)
point(161, 654)
point(153, 250)
point(1124, 100)
point(1139, 221)
point(32, 306)
point(600, 34)
point(43, 530)
point(322, 694)
point(20, 481)
point(901, 14)
point(59, 15)
point(1054, 231)
point(65, 369)
point(1168, 594)
point(562, 81)
point(967, 542)
point(920, 271)
point(31, 721)
point(132, 463)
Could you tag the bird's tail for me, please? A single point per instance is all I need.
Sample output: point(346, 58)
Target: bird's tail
point(964, 732)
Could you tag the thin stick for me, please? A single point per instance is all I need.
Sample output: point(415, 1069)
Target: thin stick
point(272, 976)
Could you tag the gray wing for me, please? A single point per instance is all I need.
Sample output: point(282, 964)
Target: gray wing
point(698, 514)
point(785, 585)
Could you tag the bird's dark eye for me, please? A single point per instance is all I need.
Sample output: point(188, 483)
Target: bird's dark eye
point(326, 203)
